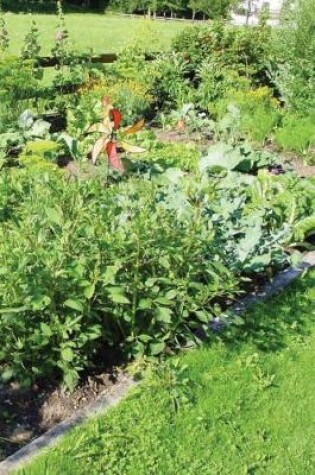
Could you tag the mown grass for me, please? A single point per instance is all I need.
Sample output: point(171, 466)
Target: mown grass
point(101, 33)
point(243, 404)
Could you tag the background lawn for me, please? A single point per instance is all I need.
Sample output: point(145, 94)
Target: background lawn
point(102, 33)
point(229, 408)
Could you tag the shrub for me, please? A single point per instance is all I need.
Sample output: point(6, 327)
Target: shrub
point(169, 82)
point(129, 96)
point(141, 263)
point(206, 63)
point(216, 84)
point(95, 266)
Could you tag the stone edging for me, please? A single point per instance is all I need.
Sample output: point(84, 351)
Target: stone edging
point(103, 403)
point(280, 281)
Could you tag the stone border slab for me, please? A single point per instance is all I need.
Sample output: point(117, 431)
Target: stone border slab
point(280, 282)
point(104, 402)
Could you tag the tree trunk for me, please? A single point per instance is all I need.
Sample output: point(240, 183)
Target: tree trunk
point(248, 11)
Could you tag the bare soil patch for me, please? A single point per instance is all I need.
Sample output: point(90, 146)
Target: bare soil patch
point(183, 137)
point(302, 170)
point(27, 413)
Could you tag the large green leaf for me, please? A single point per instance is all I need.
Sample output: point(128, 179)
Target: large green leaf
point(74, 304)
point(221, 155)
point(117, 295)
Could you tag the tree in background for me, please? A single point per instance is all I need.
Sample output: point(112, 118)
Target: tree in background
point(208, 8)
point(185, 8)
point(250, 8)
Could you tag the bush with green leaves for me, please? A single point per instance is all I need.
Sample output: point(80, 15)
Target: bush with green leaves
point(94, 266)
point(169, 81)
point(208, 63)
point(259, 112)
point(140, 264)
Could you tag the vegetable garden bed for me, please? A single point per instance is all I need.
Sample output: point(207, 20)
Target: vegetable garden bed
point(231, 398)
point(29, 413)
point(116, 237)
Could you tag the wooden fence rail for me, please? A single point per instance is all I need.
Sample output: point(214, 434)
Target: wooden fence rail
point(106, 58)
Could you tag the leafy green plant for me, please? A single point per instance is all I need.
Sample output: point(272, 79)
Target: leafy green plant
point(241, 158)
point(32, 137)
point(172, 155)
point(292, 69)
point(172, 377)
point(28, 128)
point(259, 112)
point(61, 49)
point(128, 293)
point(31, 47)
point(304, 230)
point(215, 82)
point(240, 49)
point(169, 83)
point(189, 120)
point(130, 96)
point(41, 154)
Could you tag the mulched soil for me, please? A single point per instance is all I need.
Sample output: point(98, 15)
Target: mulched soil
point(182, 137)
point(27, 413)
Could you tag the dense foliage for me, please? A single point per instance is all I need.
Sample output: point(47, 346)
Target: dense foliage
point(143, 262)
point(143, 254)
point(213, 9)
point(183, 8)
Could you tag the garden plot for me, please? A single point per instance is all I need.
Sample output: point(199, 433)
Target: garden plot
point(116, 237)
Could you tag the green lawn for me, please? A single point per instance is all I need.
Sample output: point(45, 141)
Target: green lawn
point(246, 409)
point(104, 34)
